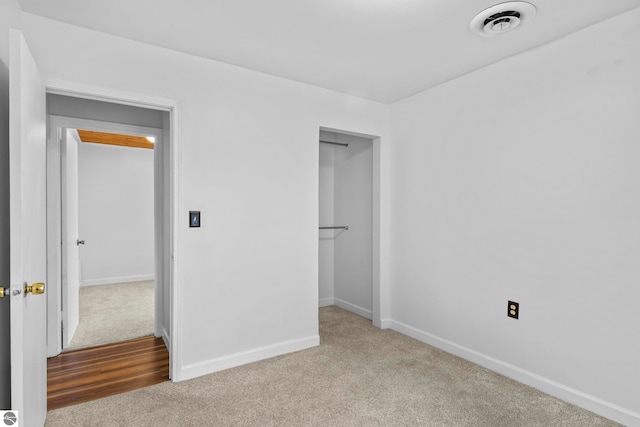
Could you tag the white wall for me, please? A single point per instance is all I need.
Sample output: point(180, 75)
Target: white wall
point(249, 162)
point(522, 181)
point(116, 213)
point(354, 207)
point(9, 18)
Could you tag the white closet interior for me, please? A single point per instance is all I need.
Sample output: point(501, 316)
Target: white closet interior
point(345, 251)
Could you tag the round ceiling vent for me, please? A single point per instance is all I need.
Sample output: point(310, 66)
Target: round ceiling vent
point(502, 18)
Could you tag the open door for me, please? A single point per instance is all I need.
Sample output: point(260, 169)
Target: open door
point(27, 156)
point(70, 238)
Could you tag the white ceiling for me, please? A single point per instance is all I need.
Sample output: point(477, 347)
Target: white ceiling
point(383, 50)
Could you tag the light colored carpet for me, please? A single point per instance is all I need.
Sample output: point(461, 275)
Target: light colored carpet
point(358, 376)
point(114, 313)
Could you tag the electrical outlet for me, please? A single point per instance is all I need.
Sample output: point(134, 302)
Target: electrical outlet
point(513, 309)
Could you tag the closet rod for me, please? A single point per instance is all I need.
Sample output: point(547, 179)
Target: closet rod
point(338, 227)
point(335, 143)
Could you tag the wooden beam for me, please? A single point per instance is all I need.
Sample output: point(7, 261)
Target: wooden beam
point(114, 139)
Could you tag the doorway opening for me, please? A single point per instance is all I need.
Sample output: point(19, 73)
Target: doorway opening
point(120, 229)
point(107, 211)
point(109, 224)
point(348, 251)
point(116, 194)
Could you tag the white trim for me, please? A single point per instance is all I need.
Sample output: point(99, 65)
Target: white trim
point(63, 87)
point(112, 280)
point(167, 340)
point(378, 296)
point(165, 336)
point(80, 90)
point(561, 391)
point(175, 237)
point(385, 323)
point(231, 361)
point(100, 126)
point(54, 243)
point(355, 309)
point(326, 302)
point(360, 311)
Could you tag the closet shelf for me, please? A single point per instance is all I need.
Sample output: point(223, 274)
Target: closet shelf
point(336, 227)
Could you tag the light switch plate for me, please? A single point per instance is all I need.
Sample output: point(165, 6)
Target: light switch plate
point(194, 218)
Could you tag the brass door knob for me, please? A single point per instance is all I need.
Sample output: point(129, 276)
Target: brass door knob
point(35, 289)
point(3, 292)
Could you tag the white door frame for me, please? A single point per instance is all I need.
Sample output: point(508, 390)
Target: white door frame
point(66, 88)
point(56, 222)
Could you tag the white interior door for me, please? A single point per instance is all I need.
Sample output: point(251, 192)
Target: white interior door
point(70, 237)
point(27, 156)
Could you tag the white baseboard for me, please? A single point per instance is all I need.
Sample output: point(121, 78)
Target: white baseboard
point(360, 311)
point(568, 394)
point(231, 361)
point(165, 338)
point(326, 302)
point(167, 342)
point(385, 323)
point(111, 280)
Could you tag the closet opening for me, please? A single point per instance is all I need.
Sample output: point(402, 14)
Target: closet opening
point(348, 242)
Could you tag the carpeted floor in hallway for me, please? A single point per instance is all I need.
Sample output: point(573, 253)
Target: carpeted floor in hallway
point(113, 313)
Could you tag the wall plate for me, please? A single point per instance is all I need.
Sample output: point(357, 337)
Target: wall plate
point(194, 218)
point(513, 309)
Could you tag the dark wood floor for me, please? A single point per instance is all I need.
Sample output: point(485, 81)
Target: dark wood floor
point(88, 374)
